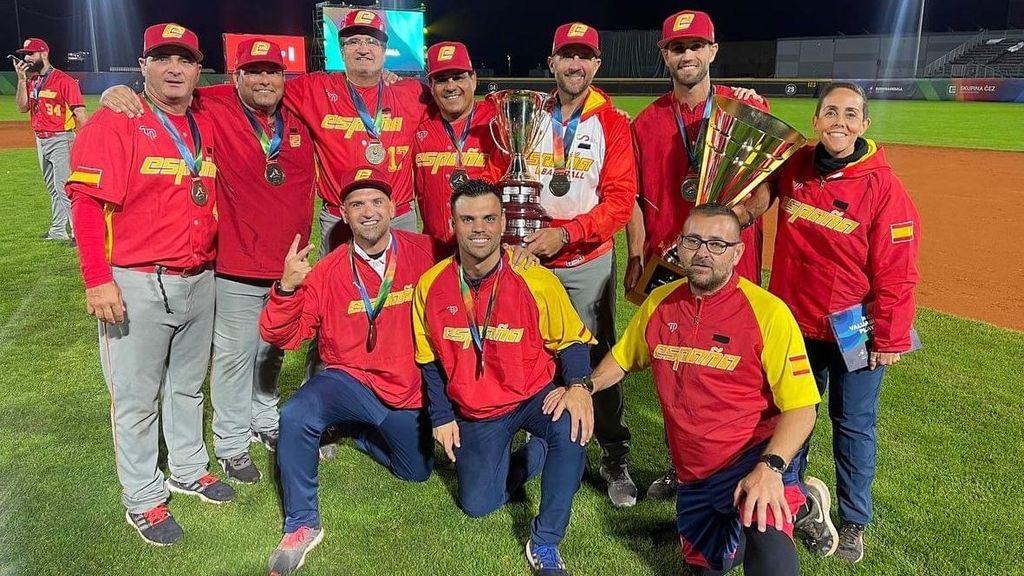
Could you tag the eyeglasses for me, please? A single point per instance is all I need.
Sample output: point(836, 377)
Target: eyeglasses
point(716, 247)
point(356, 42)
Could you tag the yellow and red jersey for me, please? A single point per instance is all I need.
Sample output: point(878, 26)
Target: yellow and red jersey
point(724, 365)
point(602, 175)
point(58, 95)
point(258, 221)
point(662, 165)
point(328, 305)
point(532, 320)
point(132, 167)
point(323, 102)
point(850, 237)
point(435, 161)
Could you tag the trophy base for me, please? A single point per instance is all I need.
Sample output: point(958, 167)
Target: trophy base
point(657, 272)
point(523, 212)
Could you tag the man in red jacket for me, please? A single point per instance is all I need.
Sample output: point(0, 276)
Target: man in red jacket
point(848, 234)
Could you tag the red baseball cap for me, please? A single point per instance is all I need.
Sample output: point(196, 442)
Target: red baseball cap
point(171, 34)
point(364, 177)
point(687, 24)
point(258, 50)
point(445, 56)
point(576, 33)
point(364, 22)
point(33, 45)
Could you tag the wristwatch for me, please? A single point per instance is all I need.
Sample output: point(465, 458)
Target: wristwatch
point(774, 462)
point(586, 383)
point(281, 291)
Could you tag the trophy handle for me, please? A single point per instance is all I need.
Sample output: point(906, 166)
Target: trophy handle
point(497, 142)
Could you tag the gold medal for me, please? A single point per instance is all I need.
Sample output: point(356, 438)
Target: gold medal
point(458, 178)
point(199, 193)
point(375, 152)
point(689, 189)
point(274, 174)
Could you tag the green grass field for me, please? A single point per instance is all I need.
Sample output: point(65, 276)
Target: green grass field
point(947, 494)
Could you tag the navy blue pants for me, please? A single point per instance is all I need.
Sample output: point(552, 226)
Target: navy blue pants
point(400, 440)
point(853, 410)
point(489, 472)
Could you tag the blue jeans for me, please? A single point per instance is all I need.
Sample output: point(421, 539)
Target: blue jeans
point(853, 409)
point(489, 472)
point(400, 440)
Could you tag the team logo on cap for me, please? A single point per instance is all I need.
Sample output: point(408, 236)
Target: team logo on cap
point(363, 17)
point(577, 30)
point(260, 49)
point(363, 174)
point(682, 22)
point(173, 31)
point(445, 53)
point(27, 42)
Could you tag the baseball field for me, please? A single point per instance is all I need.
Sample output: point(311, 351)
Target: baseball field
point(951, 455)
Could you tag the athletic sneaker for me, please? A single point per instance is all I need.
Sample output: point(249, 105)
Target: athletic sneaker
point(209, 489)
point(329, 451)
point(240, 469)
point(851, 542)
point(813, 520)
point(664, 488)
point(621, 488)
point(268, 438)
point(156, 525)
point(545, 560)
point(291, 552)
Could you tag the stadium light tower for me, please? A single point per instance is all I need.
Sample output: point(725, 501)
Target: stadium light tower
point(917, 48)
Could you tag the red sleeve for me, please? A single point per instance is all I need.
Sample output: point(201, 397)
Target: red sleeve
point(100, 158)
point(91, 235)
point(288, 321)
point(296, 91)
point(617, 188)
point(71, 92)
point(893, 242)
point(216, 91)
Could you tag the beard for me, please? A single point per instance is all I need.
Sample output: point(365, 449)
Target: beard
point(707, 279)
point(690, 83)
point(563, 85)
point(36, 66)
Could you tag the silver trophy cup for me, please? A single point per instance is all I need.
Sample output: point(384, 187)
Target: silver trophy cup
point(517, 128)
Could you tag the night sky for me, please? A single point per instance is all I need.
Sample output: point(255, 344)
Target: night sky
point(491, 29)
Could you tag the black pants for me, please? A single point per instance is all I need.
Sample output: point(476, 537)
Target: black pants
point(768, 553)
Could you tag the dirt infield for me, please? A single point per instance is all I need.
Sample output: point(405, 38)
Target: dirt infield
point(972, 261)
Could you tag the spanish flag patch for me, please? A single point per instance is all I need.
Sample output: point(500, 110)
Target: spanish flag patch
point(799, 365)
point(87, 176)
point(901, 232)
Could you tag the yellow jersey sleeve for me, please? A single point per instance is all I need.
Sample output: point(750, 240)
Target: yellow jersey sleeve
point(421, 334)
point(784, 356)
point(560, 325)
point(631, 352)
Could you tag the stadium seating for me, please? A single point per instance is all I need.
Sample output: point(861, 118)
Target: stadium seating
point(995, 54)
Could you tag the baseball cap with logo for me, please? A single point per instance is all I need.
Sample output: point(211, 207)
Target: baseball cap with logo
point(687, 24)
point(364, 22)
point(33, 45)
point(171, 34)
point(364, 177)
point(445, 56)
point(258, 50)
point(576, 33)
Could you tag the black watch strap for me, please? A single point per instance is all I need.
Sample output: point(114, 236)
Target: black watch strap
point(585, 382)
point(281, 291)
point(775, 462)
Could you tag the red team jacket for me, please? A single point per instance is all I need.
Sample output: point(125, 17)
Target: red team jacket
point(59, 93)
point(323, 102)
point(258, 221)
point(847, 238)
point(328, 305)
point(532, 320)
point(435, 161)
point(724, 365)
point(663, 166)
point(602, 174)
point(132, 168)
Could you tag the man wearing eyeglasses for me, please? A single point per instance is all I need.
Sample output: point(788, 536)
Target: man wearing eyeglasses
point(586, 163)
point(737, 396)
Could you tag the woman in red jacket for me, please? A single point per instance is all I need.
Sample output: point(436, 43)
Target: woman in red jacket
point(848, 234)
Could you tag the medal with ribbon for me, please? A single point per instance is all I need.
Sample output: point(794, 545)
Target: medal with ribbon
point(693, 149)
point(39, 85)
point(374, 150)
point(193, 158)
point(373, 309)
point(478, 336)
point(271, 144)
point(459, 175)
point(562, 136)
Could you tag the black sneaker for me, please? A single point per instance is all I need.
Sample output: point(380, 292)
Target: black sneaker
point(240, 469)
point(621, 488)
point(291, 553)
point(851, 542)
point(664, 488)
point(156, 526)
point(268, 438)
point(814, 522)
point(209, 489)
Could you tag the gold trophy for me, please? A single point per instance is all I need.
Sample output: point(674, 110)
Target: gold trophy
point(741, 147)
point(517, 128)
